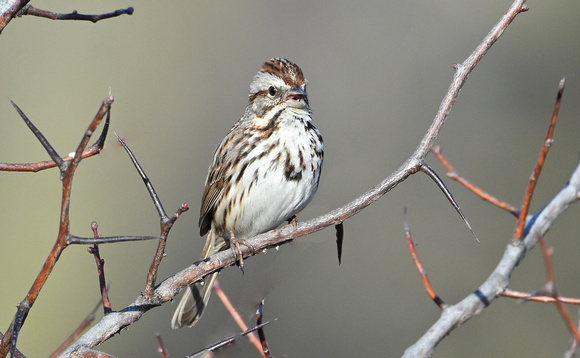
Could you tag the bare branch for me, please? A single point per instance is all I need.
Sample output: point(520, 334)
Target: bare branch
point(94, 250)
point(411, 245)
point(236, 316)
point(161, 349)
point(540, 163)
point(453, 174)
point(167, 289)
point(265, 348)
point(94, 149)
point(10, 339)
point(31, 10)
point(551, 284)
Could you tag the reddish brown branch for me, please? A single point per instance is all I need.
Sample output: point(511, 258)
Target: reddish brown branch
point(538, 298)
point(100, 270)
point(31, 10)
point(94, 149)
point(539, 164)
point(161, 349)
point(68, 169)
point(167, 289)
point(551, 288)
point(236, 316)
point(411, 245)
point(453, 174)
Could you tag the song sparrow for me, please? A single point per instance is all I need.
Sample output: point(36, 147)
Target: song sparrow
point(263, 173)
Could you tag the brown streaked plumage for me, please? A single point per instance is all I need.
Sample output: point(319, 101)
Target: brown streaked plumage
point(263, 173)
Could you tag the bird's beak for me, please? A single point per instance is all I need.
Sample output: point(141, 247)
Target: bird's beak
point(297, 97)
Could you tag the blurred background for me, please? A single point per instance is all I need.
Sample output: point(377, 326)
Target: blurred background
point(377, 72)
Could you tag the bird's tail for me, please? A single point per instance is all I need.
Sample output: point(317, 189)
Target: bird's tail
point(196, 296)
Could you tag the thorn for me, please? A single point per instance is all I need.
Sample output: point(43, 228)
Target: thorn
point(431, 173)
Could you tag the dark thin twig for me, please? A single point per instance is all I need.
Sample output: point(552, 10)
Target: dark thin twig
point(431, 174)
point(225, 342)
point(94, 149)
point(261, 333)
point(452, 173)
point(166, 222)
point(107, 239)
point(94, 250)
point(17, 353)
point(42, 139)
point(145, 179)
point(30, 10)
point(519, 234)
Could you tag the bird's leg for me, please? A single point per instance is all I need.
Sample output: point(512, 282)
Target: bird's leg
point(237, 251)
point(293, 221)
point(238, 256)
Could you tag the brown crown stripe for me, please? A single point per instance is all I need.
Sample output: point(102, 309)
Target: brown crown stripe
point(289, 72)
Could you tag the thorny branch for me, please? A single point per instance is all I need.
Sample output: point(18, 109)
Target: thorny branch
point(94, 149)
point(494, 286)
point(167, 289)
point(31, 10)
point(550, 288)
point(16, 8)
point(217, 289)
point(67, 169)
point(451, 317)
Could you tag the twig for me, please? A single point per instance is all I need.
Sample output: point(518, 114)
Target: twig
point(551, 288)
point(411, 245)
point(206, 352)
point(261, 334)
point(236, 316)
point(166, 222)
point(538, 298)
point(453, 174)
point(42, 139)
point(161, 349)
point(67, 169)
point(519, 234)
point(17, 353)
point(94, 250)
point(167, 289)
point(572, 351)
point(107, 239)
point(94, 149)
point(431, 174)
point(31, 10)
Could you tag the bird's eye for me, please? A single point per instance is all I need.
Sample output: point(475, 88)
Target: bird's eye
point(272, 91)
